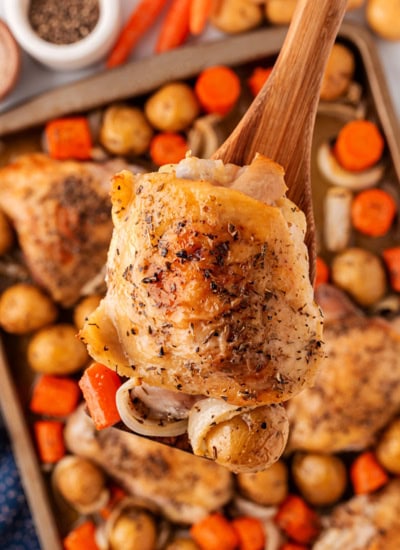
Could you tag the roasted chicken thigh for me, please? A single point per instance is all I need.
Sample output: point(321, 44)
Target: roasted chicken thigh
point(61, 212)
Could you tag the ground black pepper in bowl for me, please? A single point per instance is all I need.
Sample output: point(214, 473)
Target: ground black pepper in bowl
point(63, 22)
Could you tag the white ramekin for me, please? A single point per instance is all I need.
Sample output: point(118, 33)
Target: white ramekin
point(87, 51)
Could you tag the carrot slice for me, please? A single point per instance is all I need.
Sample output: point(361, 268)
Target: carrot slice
point(391, 257)
point(99, 384)
point(366, 474)
point(199, 14)
point(217, 89)
point(50, 440)
point(69, 138)
point(82, 537)
point(214, 532)
point(168, 148)
point(116, 495)
point(321, 272)
point(298, 520)
point(175, 27)
point(373, 212)
point(359, 145)
point(258, 78)
point(251, 533)
point(142, 18)
point(55, 396)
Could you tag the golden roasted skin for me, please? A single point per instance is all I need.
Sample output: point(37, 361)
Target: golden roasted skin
point(185, 488)
point(357, 388)
point(61, 213)
point(208, 292)
point(365, 522)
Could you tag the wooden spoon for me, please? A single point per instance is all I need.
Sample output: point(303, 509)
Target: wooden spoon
point(280, 121)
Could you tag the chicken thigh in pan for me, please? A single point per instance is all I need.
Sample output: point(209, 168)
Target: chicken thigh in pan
point(61, 213)
point(209, 296)
point(357, 388)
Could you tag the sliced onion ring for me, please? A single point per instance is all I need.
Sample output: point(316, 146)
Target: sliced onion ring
point(134, 420)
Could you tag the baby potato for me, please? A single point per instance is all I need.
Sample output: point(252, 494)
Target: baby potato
point(125, 130)
point(84, 308)
point(173, 107)
point(280, 12)
point(321, 479)
point(57, 350)
point(360, 273)
point(338, 74)
point(383, 16)
point(133, 530)
point(267, 488)
point(6, 234)
point(182, 544)
point(24, 308)
point(234, 16)
point(388, 448)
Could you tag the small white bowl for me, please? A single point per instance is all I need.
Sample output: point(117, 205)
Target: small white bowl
point(86, 51)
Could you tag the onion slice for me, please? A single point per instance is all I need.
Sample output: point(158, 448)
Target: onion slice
point(145, 425)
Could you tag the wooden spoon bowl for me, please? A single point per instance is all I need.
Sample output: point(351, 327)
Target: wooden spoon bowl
point(280, 121)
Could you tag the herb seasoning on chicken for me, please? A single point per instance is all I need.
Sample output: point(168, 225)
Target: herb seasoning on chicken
point(209, 295)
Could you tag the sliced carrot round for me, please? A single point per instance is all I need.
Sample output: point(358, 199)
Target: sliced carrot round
point(373, 211)
point(218, 89)
point(258, 78)
point(321, 272)
point(359, 145)
point(168, 148)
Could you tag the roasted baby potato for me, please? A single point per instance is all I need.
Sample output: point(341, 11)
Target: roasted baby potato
point(57, 350)
point(388, 448)
point(125, 130)
point(383, 16)
point(25, 308)
point(361, 274)
point(279, 12)
point(132, 530)
point(84, 308)
point(234, 16)
point(338, 74)
point(6, 234)
point(321, 478)
point(172, 108)
point(267, 488)
point(81, 483)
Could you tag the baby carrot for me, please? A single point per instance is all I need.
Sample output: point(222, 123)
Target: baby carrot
point(69, 138)
point(298, 520)
point(214, 532)
point(141, 19)
point(373, 211)
point(251, 533)
point(217, 89)
point(82, 537)
point(175, 27)
point(366, 474)
point(50, 440)
point(55, 396)
point(359, 145)
point(99, 384)
point(258, 78)
point(391, 257)
point(168, 148)
point(199, 13)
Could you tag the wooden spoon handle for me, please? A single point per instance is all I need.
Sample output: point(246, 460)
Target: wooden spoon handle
point(280, 121)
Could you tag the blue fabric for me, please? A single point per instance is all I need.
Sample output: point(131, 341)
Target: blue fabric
point(17, 531)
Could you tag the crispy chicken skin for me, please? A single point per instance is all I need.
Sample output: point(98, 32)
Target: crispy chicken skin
point(208, 288)
point(366, 522)
point(184, 487)
point(357, 388)
point(61, 213)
